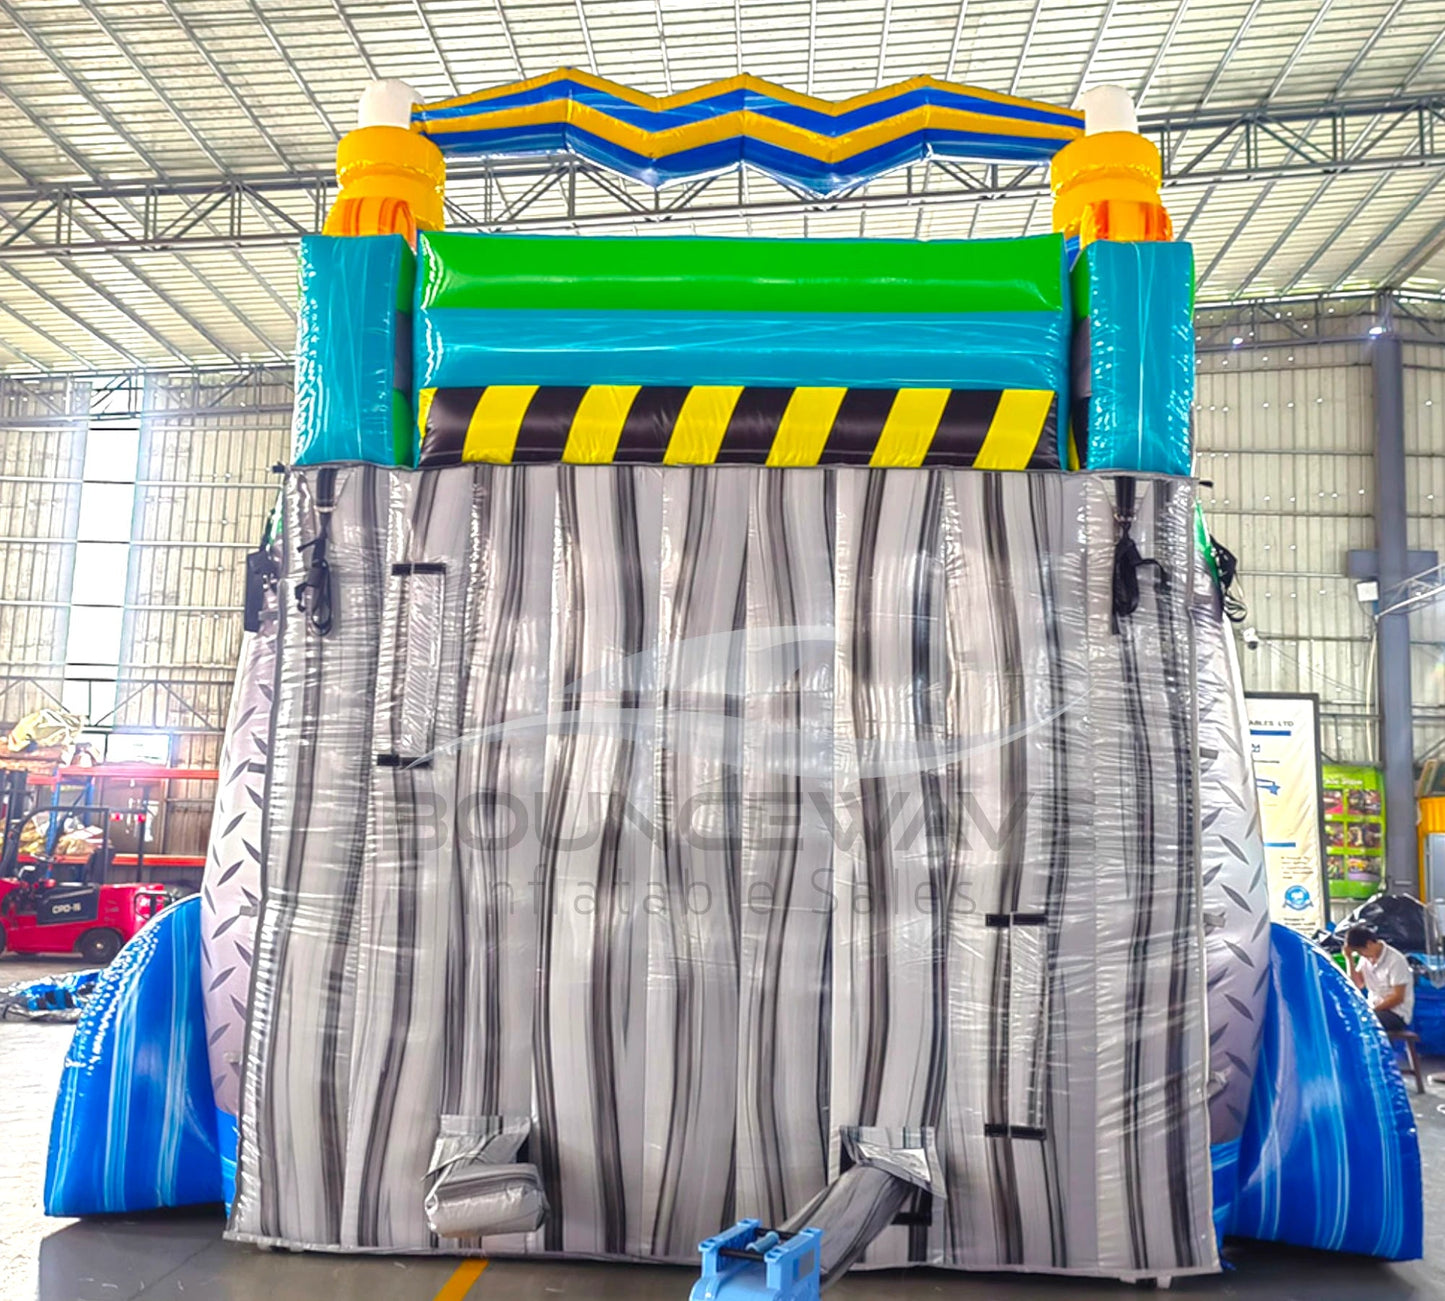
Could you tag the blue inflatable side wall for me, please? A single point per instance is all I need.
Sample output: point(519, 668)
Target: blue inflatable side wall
point(1329, 1156)
point(134, 1123)
point(353, 351)
point(463, 347)
point(1134, 356)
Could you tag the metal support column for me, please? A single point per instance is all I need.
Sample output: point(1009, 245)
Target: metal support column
point(1397, 738)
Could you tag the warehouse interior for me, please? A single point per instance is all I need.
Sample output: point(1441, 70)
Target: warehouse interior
point(161, 164)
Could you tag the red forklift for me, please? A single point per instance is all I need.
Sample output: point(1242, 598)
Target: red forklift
point(58, 892)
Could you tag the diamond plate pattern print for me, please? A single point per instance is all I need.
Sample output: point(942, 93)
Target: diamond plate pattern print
point(1236, 899)
point(231, 881)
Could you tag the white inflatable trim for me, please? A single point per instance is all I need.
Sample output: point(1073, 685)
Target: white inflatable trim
point(1107, 108)
point(386, 103)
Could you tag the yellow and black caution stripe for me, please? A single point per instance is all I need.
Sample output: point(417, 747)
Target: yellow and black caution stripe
point(604, 424)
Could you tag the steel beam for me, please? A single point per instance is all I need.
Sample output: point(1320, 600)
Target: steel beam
point(1235, 41)
point(1320, 14)
point(1368, 251)
point(952, 45)
point(1024, 52)
point(299, 77)
point(272, 209)
point(62, 65)
point(1423, 251)
point(517, 54)
point(241, 101)
point(349, 28)
point(1099, 34)
point(883, 42)
point(813, 45)
point(432, 39)
point(1363, 52)
point(1181, 8)
point(1363, 141)
point(1397, 738)
point(1276, 140)
point(661, 45)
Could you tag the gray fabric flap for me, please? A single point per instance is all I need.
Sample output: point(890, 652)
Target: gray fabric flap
point(484, 1140)
point(908, 1154)
point(477, 1200)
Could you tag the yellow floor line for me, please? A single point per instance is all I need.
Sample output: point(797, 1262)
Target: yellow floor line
point(460, 1283)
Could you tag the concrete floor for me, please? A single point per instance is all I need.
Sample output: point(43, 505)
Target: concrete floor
point(181, 1255)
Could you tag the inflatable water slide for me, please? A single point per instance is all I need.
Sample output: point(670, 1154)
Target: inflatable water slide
point(741, 729)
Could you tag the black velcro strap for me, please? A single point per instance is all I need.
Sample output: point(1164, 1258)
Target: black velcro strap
point(313, 593)
point(1015, 919)
point(1014, 1131)
point(405, 568)
point(1128, 561)
point(260, 578)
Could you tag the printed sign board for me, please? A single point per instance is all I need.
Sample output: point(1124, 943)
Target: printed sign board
point(1354, 829)
point(1284, 743)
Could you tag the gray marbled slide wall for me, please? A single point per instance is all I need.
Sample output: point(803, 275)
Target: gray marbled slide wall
point(704, 836)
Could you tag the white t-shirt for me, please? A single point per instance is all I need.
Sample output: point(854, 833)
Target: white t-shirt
point(1382, 975)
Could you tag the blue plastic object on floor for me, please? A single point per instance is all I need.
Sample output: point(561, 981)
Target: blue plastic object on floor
point(1329, 1156)
point(134, 1124)
point(750, 1263)
point(59, 999)
point(1429, 1022)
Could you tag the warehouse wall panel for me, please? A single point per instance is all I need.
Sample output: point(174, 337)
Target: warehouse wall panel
point(42, 450)
point(1425, 449)
point(1284, 436)
point(204, 492)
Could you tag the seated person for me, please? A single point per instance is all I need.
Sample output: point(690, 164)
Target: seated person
point(1384, 975)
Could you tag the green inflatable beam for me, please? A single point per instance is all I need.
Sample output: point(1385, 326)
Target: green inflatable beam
point(742, 275)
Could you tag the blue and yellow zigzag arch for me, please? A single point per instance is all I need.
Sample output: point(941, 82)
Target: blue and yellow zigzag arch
point(820, 146)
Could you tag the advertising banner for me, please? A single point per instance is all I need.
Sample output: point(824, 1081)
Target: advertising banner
point(1284, 743)
point(1354, 829)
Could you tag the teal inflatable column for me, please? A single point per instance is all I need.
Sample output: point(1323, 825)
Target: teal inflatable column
point(353, 351)
point(1134, 357)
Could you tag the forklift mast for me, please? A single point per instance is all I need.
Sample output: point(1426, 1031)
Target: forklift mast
point(13, 792)
point(19, 809)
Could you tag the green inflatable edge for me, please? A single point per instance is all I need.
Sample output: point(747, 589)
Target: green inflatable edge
point(696, 274)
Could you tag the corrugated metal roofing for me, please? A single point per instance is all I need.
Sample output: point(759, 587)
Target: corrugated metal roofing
point(156, 94)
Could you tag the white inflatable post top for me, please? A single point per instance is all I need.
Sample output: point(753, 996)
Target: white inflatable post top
point(386, 103)
point(1108, 108)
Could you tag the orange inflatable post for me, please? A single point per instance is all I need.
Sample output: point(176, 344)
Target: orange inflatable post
point(1106, 185)
point(392, 178)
